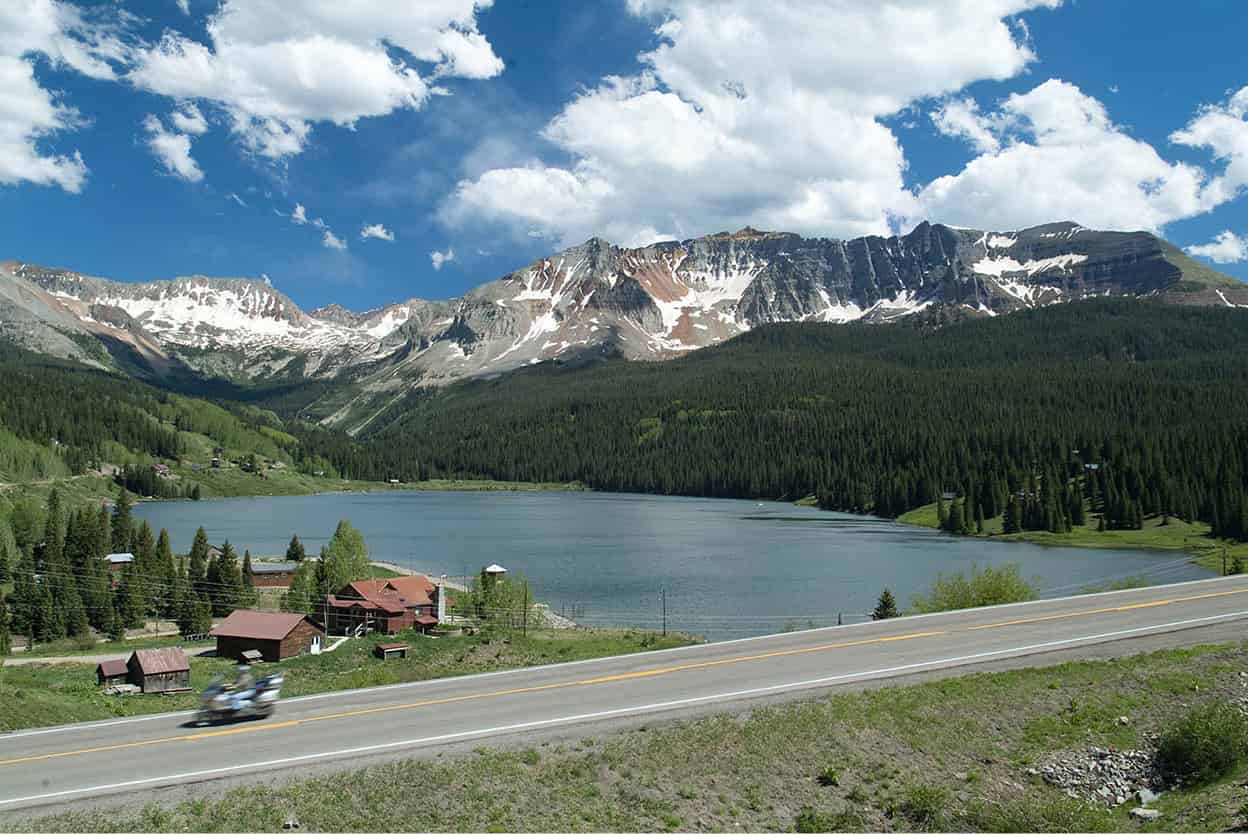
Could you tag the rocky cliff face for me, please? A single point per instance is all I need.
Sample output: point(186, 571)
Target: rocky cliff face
point(654, 302)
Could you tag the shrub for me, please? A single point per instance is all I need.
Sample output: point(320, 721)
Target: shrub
point(924, 807)
point(985, 586)
point(848, 818)
point(1209, 742)
point(828, 777)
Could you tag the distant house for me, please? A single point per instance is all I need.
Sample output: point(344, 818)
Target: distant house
point(385, 605)
point(117, 561)
point(112, 672)
point(214, 552)
point(160, 670)
point(275, 636)
point(161, 470)
point(272, 574)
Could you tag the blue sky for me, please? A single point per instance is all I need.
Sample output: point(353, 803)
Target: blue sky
point(494, 134)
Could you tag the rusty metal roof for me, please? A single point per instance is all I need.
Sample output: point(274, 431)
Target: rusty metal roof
point(258, 625)
point(113, 668)
point(161, 661)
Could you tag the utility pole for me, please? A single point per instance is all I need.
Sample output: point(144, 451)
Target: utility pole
point(526, 610)
point(1224, 559)
point(663, 596)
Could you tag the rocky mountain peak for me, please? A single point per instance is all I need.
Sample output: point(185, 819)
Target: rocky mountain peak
point(653, 302)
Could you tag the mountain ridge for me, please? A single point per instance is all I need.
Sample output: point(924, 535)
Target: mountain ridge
point(591, 300)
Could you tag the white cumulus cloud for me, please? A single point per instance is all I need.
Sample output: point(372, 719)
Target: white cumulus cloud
point(276, 69)
point(332, 241)
point(30, 114)
point(438, 258)
point(1054, 153)
point(376, 231)
point(1226, 248)
point(751, 113)
point(172, 150)
point(1223, 130)
point(188, 119)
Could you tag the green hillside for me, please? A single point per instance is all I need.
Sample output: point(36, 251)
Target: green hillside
point(85, 429)
point(885, 419)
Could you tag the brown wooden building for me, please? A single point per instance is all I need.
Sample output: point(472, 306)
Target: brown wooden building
point(160, 670)
point(272, 574)
point(275, 636)
point(112, 672)
point(385, 605)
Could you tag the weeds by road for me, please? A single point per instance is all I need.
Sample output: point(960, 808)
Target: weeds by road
point(946, 755)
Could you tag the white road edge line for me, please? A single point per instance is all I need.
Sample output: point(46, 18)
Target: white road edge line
point(343, 693)
point(644, 708)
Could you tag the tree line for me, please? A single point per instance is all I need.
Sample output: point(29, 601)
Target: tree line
point(1132, 406)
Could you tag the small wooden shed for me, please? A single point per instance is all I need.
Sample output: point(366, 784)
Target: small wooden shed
point(160, 670)
point(112, 672)
point(391, 651)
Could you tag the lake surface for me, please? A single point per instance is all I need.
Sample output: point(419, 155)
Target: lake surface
point(729, 568)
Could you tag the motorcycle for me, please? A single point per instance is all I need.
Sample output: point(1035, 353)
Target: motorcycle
point(225, 702)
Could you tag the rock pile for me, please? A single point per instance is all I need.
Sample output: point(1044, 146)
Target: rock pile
point(1101, 775)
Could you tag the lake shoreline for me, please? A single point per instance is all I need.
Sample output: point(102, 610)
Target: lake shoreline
point(725, 568)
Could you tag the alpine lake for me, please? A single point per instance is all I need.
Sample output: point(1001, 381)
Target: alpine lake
point(715, 567)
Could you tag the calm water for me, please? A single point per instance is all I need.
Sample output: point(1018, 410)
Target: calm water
point(730, 568)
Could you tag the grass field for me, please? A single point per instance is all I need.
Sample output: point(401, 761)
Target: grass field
point(1177, 535)
point(946, 755)
point(38, 695)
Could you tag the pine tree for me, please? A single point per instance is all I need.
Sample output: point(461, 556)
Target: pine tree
point(6, 639)
point(249, 597)
point(129, 602)
point(197, 572)
point(53, 533)
point(942, 514)
point(165, 574)
point(103, 542)
point(24, 597)
point(979, 519)
point(225, 582)
point(885, 607)
point(114, 625)
point(294, 551)
point(123, 528)
point(201, 622)
point(1012, 523)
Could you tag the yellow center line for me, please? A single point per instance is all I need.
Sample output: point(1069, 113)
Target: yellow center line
point(451, 699)
point(1113, 609)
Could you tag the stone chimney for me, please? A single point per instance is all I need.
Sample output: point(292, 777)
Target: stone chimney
point(442, 598)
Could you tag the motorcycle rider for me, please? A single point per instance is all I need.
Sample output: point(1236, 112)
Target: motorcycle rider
point(244, 682)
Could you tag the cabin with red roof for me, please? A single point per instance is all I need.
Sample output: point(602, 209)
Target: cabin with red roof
point(385, 605)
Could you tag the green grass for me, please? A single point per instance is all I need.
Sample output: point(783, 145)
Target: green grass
point(944, 755)
point(1177, 535)
point(378, 572)
point(38, 695)
point(69, 647)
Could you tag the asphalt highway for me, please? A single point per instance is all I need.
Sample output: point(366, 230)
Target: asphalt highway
point(47, 767)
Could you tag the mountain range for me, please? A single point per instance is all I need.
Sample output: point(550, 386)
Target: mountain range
point(589, 301)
